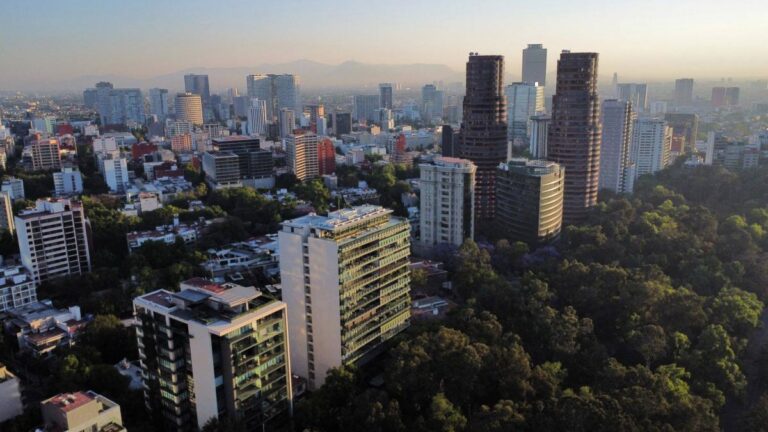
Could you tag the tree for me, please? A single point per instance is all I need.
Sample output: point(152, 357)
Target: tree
point(444, 417)
point(111, 338)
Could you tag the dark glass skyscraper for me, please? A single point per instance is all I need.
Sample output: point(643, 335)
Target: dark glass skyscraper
point(574, 134)
point(483, 137)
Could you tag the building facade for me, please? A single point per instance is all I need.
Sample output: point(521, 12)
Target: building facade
point(54, 239)
point(574, 134)
point(346, 281)
point(301, 155)
point(529, 207)
point(447, 201)
point(189, 108)
point(523, 102)
point(483, 136)
point(81, 411)
point(213, 351)
point(651, 146)
point(535, 64)
point(616, 168)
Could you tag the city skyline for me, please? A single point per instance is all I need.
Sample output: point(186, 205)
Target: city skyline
point(169, 39)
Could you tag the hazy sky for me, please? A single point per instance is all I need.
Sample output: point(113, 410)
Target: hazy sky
point(641, 39)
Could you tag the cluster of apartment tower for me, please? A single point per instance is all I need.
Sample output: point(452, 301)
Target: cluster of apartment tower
point(581, 147)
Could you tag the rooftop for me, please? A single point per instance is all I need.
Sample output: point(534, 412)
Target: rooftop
point(67, 402)
point(340, 219)
point(533, 167)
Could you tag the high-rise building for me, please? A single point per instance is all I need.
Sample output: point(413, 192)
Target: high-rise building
point(537, 146)
point(635, 93)
point(67, 182)
point(244, 148)
point(279, 92)
point(447, 201)
point(651, 145)
point(449, 141)
point(326, 157)
point(574, 134)
point(158, 103)
point(81, 411)
point(483, 136)
point(257, 117)
point(181, 143)
point(535, 64)
point(685, 126)
point(346, 282)
point(523, 102)
point(198, 84)
point(287, 122)
point(301, 155)
point(725, 97)
point(6, 213)
point(116, 106)
point(529, 206)
point(431, 104)
point(222, 169)
point(213, 351)
point(386, 119)
point(732, 96)
point(616, 170)
point(189, 107)
point(342, 123)
point(45, 154)
point(53, 239)
point(365, 108)
point(683, 91)
point(385, 95)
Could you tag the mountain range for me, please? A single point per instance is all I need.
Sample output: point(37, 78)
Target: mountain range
point(313, 75)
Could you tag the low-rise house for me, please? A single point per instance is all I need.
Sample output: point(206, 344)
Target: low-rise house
point(81, 411)
point(41, 328)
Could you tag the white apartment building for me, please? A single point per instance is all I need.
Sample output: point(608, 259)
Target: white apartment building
point(68, 181)
point(14, 187)
point(10, 395)
point(53, 239)
point(616, 169)
point(651, 145)
point(212, 349)
point(114, 168)
point(16, 287)
point(447, 201)
point(6, 212)
point(346, 282)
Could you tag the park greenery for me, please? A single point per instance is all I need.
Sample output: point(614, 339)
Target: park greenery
point(639, 319)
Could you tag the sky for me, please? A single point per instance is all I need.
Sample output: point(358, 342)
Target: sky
point(50, 40)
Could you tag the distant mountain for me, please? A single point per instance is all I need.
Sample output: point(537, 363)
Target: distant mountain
point(313, 75)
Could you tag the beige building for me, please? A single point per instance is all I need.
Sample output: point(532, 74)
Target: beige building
point(301, 155)
point(346, 282)
point(45, 154)
point(81, 411)
point(447, 196)
point(189, 108)
point(6, 212)
point(529, 200)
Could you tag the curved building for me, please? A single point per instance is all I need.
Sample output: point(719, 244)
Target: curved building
point(189, 107)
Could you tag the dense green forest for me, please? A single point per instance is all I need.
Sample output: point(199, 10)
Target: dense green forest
point(638, 320)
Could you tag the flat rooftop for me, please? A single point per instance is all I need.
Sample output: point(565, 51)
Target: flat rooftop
point(341, 218)
point(67, 402)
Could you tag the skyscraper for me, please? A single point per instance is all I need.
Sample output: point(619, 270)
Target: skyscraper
point(198, 84)
point(535, 64)
point(346, 282)
point(189, 107)
point(287, 122)
point(213, 351)
point(53, 239)
point(116, 106)
point(257, 117)
point(342, 123)
point(365, 108)
point(616, 171)
point(431, 103)
point(523, 102)
point(447, 201)
point(651, 145)
point(635, 93)
point(158, 103)
point(483, 137)
point(385, 95)
point(574, 134)
point(301, 155)
point(537, 146)
point(449, 141)
point(316, 112)
point(529, 207)
point(683, 91)
point(244, 148)
point(279, 92)
point(45, 154)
